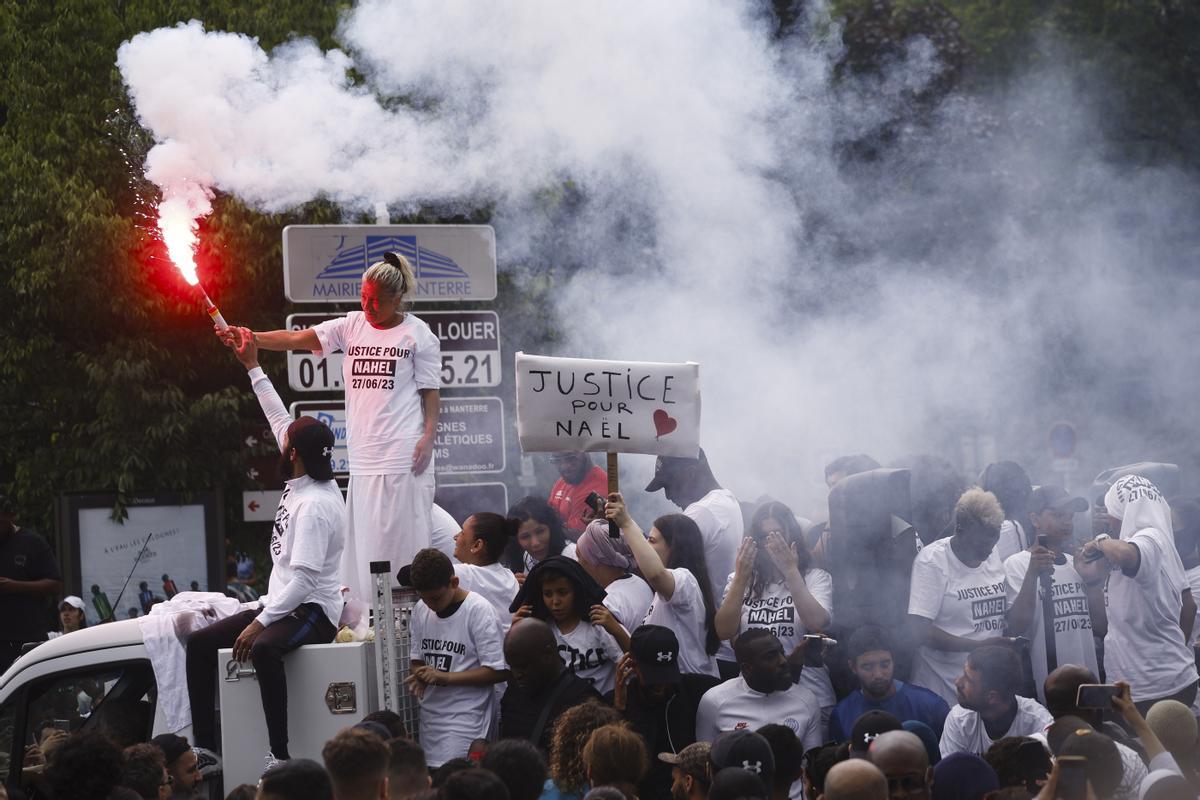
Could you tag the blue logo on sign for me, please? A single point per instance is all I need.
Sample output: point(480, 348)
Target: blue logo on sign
point(352, 262)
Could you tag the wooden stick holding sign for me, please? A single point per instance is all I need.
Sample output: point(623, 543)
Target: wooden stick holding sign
point(614, 486)
point(572, 404)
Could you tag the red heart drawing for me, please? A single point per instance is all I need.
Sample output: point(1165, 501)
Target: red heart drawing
point(664, 423)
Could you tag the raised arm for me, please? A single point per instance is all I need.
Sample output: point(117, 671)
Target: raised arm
point(811, 612)
point(1023, 611)
point(653, 570)
point(729, 615)
point(242, 342)
point(278, 340)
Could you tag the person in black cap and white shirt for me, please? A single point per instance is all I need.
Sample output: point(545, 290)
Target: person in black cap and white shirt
point(765, 691)
point(689, 484)
point(1077, 609)
point(304, 600)
point(989, 708)
point(658, 701)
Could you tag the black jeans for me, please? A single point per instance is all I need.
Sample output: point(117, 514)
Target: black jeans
point(306, 625)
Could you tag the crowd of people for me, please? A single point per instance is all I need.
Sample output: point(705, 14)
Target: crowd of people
point(929, 638)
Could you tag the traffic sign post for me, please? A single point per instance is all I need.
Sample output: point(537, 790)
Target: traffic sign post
point(470, 437)
point(470, 352)
point(325, 263)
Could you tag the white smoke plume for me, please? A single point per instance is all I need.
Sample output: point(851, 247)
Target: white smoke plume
point(992, 272)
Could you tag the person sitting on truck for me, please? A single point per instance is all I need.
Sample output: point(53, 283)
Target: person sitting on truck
point(457, 657)
point(357, 763)
point(304, 599)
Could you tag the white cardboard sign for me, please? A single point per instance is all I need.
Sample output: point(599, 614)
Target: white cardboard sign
point(608, 406)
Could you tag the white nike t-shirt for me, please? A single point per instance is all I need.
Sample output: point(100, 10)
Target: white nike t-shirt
point(453, 716)
point(591, 653)
point(382, 372)
point(960, 600)
point(775, 610)
point(684, 614)
point(629, 599)
point(733, 705)
point(1072, 621)
point(719, 518)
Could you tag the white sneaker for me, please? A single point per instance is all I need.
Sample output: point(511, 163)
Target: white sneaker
point(272, 762)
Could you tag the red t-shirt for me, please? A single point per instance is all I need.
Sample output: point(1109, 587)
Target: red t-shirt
point(570, 499)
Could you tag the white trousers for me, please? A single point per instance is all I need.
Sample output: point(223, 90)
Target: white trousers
point(389, 521)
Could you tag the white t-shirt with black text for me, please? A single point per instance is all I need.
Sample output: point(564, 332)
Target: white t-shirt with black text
point(591, 653)
point(1145, 646)
point(961, 601)
point(1072, 621)
point(775, 609)
point(629, 599)
point(453, 716)
point(964, 731)
point(382, 372)
point(719, 518)
point(684, 614)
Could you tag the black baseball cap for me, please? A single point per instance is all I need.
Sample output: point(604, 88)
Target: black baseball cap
point(666, 466)
point(656, 651)
point(868, 727)
point(1043, 497)
point(745, 750)
point(314, 443)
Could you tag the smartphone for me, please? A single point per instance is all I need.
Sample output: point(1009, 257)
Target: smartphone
point(1096, 695)
point(1072, 778)
point(1043, 541)
point(63, 725)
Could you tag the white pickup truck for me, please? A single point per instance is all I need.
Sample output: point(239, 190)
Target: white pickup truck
point(102, 678)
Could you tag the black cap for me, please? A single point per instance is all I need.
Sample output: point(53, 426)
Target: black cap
point(1043, 497)
point(666, 466)
point(656, 651)
point(733, 783)
point(314, 443)
point(868, 727)
point(745, 750)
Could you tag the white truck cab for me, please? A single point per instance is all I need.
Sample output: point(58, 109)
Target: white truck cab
point(102, 678)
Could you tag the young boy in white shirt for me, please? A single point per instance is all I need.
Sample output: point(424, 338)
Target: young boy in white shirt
point(457, 657)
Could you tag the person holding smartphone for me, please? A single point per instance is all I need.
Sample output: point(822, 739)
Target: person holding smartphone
point(1045, 574)
point(1150, 604)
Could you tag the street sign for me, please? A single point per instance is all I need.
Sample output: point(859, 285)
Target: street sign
point(464, 499)
point(332, 414)
point(470, 351)
point(470, 437)
point(308, 372)
point(325, 263)
point(260, 506)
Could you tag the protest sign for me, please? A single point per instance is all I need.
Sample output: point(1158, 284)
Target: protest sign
point(608, 406)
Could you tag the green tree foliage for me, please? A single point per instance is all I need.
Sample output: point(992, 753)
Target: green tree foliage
point(110, 379)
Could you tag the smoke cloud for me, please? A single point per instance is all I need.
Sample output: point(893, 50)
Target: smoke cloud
point(682, 174)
